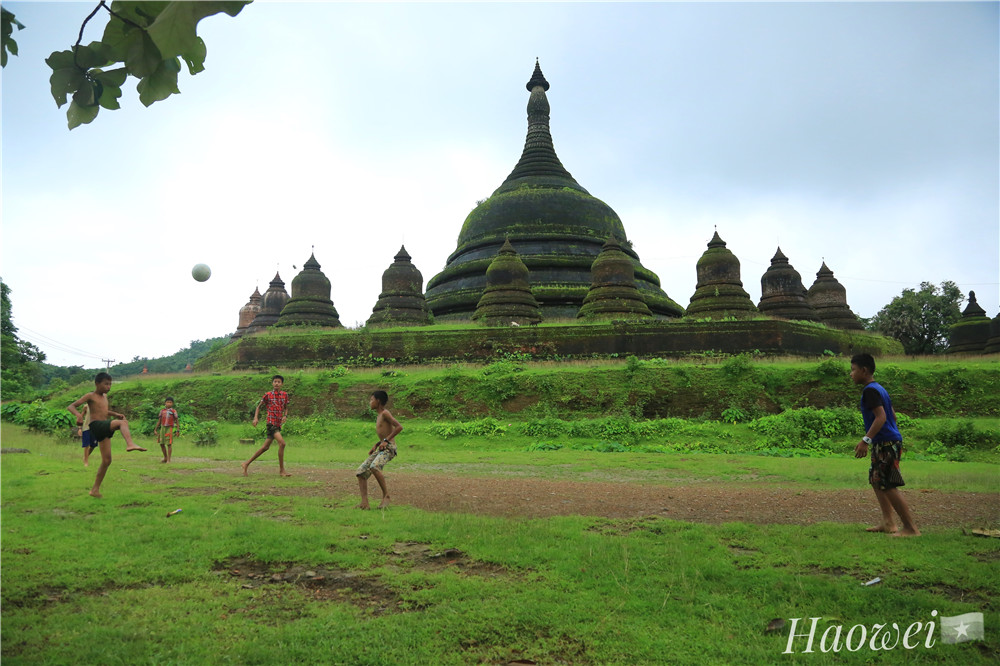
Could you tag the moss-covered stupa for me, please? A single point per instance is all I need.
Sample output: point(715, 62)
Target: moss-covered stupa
point(719, 293)
point(556, 225)
point(507, 299)
point(993, 341)
point(829, 298)
point(613, 294)
point(310, 304)
point(271, 304)
point(247, 314)
point(782, 294)
point(402, 301)
point(970, 333)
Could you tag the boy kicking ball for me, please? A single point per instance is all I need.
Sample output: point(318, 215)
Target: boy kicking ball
point(102, 428)
point(386, 427)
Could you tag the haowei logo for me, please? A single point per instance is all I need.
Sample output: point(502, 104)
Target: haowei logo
point(956, 629)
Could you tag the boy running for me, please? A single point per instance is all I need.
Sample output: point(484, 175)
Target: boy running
point(102, 429)
point(386, 427)
point(276, 402)
point(882, 434)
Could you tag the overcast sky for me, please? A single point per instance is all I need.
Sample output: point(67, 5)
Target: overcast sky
point(865, 135)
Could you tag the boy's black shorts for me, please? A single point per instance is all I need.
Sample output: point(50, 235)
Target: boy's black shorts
point(272, 428)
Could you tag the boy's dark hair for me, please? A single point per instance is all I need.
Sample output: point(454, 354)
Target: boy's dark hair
point(168, 399)
point(101, 376)
point(381, 396)
point(278, 377)
point(864, 361)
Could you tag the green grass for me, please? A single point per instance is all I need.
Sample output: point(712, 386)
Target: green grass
point(116, 582)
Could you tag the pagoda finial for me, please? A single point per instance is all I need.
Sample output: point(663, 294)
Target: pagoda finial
point(537, 78)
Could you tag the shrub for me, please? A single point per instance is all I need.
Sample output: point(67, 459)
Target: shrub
point(965, 434)
point(206, 433)
point(808, 427)
point(39, 418)
point(735, 415)
point(551, 427)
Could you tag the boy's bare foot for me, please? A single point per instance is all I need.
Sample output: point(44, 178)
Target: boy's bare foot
point(882, 528)
point(284, 473)
point(906, 533)
point(363, 506)
point(86, 464)
point(94, 493)
point(164, 460)
point(134, 447)
point(384, 503)
point(244, 466)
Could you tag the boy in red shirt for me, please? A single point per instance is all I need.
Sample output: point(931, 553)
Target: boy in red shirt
point(168, 421)
point(276, 402)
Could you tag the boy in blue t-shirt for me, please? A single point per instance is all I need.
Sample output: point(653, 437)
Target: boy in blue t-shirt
point(882, 434)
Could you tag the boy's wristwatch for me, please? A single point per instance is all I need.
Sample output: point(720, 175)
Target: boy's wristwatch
point(867, 440)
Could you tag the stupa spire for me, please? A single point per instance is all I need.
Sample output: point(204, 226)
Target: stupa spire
point(539, 159)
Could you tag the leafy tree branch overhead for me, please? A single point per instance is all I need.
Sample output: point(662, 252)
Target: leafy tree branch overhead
point(145, 40)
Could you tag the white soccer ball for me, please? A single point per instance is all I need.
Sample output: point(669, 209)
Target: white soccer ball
point(201, 272)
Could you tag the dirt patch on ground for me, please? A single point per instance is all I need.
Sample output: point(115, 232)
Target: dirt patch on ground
point(699, 502)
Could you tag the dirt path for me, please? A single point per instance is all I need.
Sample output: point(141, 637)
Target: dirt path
point(704, 503)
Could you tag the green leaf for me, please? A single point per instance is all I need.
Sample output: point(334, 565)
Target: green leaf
point(94, 54)
point(112, 77)
point(65, 81)
point(142, 13)
point(60, 60)
point(196, 60)
point(175, 30)
point(78, 115)
point(143, 57)
point(109, 98)
point(161, 84)
point(88, 94)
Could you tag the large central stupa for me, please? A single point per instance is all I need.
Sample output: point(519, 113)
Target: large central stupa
point(554, 224)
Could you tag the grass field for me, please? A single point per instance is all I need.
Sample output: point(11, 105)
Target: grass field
point(246, 575)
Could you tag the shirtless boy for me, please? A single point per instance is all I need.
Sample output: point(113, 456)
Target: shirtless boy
point(102, 428)
point(386, 427)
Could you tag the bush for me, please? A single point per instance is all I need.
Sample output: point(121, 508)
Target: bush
point(487, 427)
point(965, 434)
point(549, 427)
point(39, 418)
point(808, 427)
point(205, 433)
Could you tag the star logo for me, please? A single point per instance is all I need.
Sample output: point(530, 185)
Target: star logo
point(962, 628)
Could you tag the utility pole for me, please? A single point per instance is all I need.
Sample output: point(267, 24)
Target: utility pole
point(109, 361)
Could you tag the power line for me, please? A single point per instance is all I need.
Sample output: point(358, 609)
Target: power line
point(41, 339)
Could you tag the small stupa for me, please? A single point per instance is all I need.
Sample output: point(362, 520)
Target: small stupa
point(719, 293)
point(507, 299)
point(612, 293)
point(402, 301)
point(781, 292)
point(829, 298)
point(310, 304)
point(993, 341)
point(970, 333)
point(271, 304)
point(247, 314)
